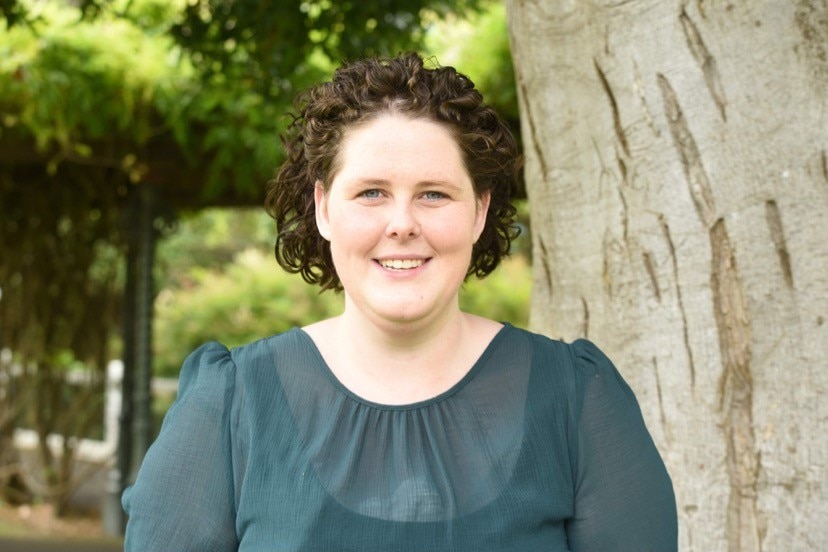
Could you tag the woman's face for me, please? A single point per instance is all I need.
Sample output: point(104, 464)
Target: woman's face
point(401, 216)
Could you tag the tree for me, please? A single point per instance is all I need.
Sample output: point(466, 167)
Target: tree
point(677, 173)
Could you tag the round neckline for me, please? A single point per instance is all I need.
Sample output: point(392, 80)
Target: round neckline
point(476, 367)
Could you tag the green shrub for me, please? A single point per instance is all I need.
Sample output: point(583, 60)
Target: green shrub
point(504, 295)
point(250, 299)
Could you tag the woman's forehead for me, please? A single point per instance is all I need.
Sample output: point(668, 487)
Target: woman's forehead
point(398, 145)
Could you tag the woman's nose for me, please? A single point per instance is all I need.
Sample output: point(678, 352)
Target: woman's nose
point(402, 221)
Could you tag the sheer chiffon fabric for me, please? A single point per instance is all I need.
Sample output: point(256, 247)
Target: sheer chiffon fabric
point(540, 447)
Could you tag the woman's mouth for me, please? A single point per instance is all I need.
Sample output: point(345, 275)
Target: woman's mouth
point(400, 264)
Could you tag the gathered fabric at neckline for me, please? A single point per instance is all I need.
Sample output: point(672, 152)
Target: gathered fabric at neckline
point(469, 375)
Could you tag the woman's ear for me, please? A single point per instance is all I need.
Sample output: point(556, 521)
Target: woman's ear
point(320, 198)
point(480, 217)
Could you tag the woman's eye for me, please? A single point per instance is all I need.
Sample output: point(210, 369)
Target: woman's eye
point(434, 195)
point(370, 194)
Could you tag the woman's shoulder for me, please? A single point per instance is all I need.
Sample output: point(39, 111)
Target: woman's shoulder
point(262, 363)
point(214, 360)
point(265, 349)
point(206, 364)
point(570, 364)
point(582, 372)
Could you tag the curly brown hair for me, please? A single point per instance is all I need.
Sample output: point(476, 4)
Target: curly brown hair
point(357, 93)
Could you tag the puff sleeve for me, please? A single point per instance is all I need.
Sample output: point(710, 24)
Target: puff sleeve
point(183, 496)
point(624, 497)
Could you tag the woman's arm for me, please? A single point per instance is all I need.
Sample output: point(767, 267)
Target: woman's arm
point(183, 497)
point(624, 497)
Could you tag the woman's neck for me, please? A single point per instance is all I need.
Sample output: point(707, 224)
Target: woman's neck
point(405, 337)
point(401, 364)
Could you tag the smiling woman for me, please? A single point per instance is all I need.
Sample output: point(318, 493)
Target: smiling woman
point(401, 229)
point(404, 423)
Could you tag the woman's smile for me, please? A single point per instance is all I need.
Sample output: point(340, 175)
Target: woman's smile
point(401, 264)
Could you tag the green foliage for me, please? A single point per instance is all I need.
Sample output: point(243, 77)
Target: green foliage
point(211, 239)
point(79, 82)
point(478, 44)
point(115, 92)
point(250, 299)
point(503, 295)
point(246, 38)
point(60, 284)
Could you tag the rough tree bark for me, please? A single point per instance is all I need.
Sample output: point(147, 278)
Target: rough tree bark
point(677, 170)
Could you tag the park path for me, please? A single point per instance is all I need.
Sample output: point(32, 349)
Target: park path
point(29, 545)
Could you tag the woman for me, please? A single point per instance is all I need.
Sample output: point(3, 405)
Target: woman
point(404, 423)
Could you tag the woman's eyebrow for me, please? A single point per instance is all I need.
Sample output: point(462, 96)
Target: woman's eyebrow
point(361, 181)
point(428, 183)
point(439, 184)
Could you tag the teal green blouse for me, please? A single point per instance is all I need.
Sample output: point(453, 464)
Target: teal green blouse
point(541, 446)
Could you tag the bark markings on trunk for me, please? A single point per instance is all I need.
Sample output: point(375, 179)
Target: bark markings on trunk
point(706, 61)
point(665, 229)
point(733, 326)
point(774, 220)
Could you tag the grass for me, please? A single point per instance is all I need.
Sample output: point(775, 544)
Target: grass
point(11, 530)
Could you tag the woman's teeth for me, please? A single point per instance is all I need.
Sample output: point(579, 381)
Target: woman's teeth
point(401, 264)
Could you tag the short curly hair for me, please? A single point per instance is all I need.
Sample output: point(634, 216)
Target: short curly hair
point(359, 92)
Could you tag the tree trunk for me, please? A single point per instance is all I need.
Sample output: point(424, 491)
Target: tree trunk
point(677, 171)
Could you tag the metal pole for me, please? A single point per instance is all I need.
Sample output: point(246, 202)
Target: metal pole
point(118, 478)
point(143, 430)
point(114, 517)
point(136, 430)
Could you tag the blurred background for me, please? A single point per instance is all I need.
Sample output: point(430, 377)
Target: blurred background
point(136, 140)
point(676, 161)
